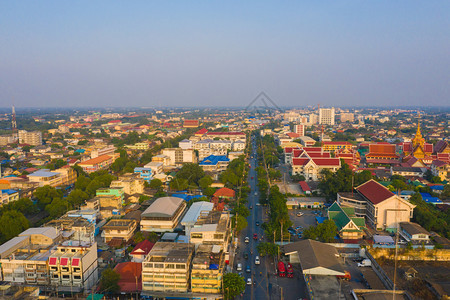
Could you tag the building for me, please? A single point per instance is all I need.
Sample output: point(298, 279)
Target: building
point(103, 150)
point(141, 250)
point(307, 141)
point(180, 156)
point(163, 215)
point(96, 164)
point(350, 227)
point(139, 146)
point(73, 266)
point(74, 228)
point(215, 163)
point(406, 171)
point(383, 209)
point(155, 166)
point(347, 117)
point(207, 269)
point(441, 169)
point(231, 135)
point(191, 123)
point(212, 229)
point(7, 196)
point(326, 116)
point(130, 277)
point(129, 183)
point(122, 229)
point(144, 173)
point(310, 161)
point(382, 153)
point(335, 146)
point(196, 210)
point(33, 138)
point(299, 129)
point(185, 144)
point(58, 177)
point(413, 232)
point(167, 268)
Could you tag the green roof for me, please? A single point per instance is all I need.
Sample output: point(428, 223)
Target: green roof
point(384, 183)
point(359, 221)
point(350, 211)
point(340, 216)
point(96, 297)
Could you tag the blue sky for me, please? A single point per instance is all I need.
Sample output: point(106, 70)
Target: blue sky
point(223, 53)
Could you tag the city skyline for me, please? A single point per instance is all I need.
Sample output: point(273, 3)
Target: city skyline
point(148, 54)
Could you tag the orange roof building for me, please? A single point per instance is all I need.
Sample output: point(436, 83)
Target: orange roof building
point(225, 193)
point(95, 164)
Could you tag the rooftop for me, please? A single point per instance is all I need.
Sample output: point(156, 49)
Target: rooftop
point(163, 207)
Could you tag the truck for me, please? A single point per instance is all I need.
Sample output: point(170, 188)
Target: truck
point(290, 271)
point(365, 263)
point(281, 269)
point(346, 276)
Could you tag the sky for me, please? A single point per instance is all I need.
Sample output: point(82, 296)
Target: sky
point(224, 53)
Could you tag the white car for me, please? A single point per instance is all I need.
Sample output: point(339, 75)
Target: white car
point(257, 261)
point(249, 281)
point(239, 267)
point(246, 239)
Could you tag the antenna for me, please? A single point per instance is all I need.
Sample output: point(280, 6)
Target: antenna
point(14, 122)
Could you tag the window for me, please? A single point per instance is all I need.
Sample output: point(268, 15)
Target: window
point(170, 266)
point(74, 250)
point(159, 266)
point(77, 277)
point(65, 276)
point(196, 235)
point(180, 266)
point(218, 236)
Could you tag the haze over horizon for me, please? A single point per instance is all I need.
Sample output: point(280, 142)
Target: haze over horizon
point(147, 53)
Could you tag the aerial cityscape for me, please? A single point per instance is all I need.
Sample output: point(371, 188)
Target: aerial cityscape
point(206, 150)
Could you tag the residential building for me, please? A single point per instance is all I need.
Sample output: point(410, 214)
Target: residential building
point(326, 116)
point(231, 135)
point(196, 210)
point(96, 164)
point(129, 183)
point(212, 229)
point(163, 214)
point(185, 144)
point(141, 250)
point(310, 161)
point(307, 141)
point(33, 138)
point(191, 123)
point(167, 268)
point(7, 139)
point(180, 156)
point(207, 269)
point(7, 196)
point(347, 117)
point(103, 150)
point(300, 129)
point(413, 232)
point(164, 159)
point(74, 228)
point(441, 169)
point(144, 173)
point(23, 259)
point(334, 146)
point(406, 171)
point(73, 266)
point(119, 229)
point(130, 281)
point(156, 167)
point(350, 227)
point(58, 177)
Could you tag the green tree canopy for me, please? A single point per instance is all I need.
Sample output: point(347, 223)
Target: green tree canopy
point(109, 282)
point(205, 181)
point(11, 224)
point(192, 172)
point(233, 285)
point(155, 184)
point(241, 223)
point(46, 194)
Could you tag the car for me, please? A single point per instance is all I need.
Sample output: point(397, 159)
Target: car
point(291, 228)
point(298, 228)
point(239, 267)
point(246, 239)
point(257, 261)
point(256, 193)
point(292, 231)
point(249, 281)
point(251, 207)
point(248, 270)
point(252, 177)
point(241, 274)
point(246, 255)
point(299, 214)
point(255, 236)
point(257, 223)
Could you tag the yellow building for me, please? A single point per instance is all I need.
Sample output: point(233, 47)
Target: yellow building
point(119, 229)
point(207, 270)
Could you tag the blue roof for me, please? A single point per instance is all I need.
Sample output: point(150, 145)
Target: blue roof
point(213, 160)
point(43, 173)
point(437, 187)
point(80, 150)
point(430, 199)
point(187, 197)
point(9, 191)
point(320, 220)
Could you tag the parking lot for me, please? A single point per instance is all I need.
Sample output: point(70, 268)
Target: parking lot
point(307, 219)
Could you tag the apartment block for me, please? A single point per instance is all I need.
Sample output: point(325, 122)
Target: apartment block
point(299, 129)
point(103, 150)
point(73, 266)
point(180, 156)
point(59, 177)
point(129, 183)
point(7, 196)
point(74, 228)
point(211, 229)
point(96, 164)
point(326, 116)
point(167, 267)
point(119, 229)
point(33, 138)
point(207, 269)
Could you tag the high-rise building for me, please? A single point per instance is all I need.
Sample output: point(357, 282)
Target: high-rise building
point(299, 129)
point(347, 117)
point(326, 116)
point(33, 138)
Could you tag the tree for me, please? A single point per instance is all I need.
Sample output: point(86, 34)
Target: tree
point(46, 194)
point(58, 207)
point(324, 232)
point(191, 172)
point(267, 249)
point(205, 181)
point(179, 184)
point(77, 197)
point(241, 223)
point(11, 224)
point(399, 185)
point(109, 282)
point(155, 184)
point(362, 177)
point(209, 191)
point(233, 285)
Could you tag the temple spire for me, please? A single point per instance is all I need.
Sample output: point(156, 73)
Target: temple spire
point(418, 138)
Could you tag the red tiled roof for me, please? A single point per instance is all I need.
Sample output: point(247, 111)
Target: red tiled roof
point(304, 186)
point(145, 246)
point(374, 192)
point(96, 160)
point(326, 161)
point(439, 163)
point(130, 276)
point(293, 134)
point(300, 161)
point(114, 122)
point(319, 154)
point(225, 133)
point(312, 149)
point(337, 143)
point(202, 131)
point(428, 148)
point(225, 192)
point(382, 148)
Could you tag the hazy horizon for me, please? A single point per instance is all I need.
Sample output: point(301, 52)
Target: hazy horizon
point(205, 54)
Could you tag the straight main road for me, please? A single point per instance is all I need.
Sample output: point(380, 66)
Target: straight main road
point(258, 273)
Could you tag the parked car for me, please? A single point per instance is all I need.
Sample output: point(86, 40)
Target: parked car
point(257, 261)
point(365, 263)
point(248, 270)
point(249, 281)
point(299, 214)
point(239, 267)
point(298, 228)
point(257, 223)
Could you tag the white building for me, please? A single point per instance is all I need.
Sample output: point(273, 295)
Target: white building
point(326, 116)
point(33, 138)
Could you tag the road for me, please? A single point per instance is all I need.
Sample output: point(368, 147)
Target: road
point(259, 287)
